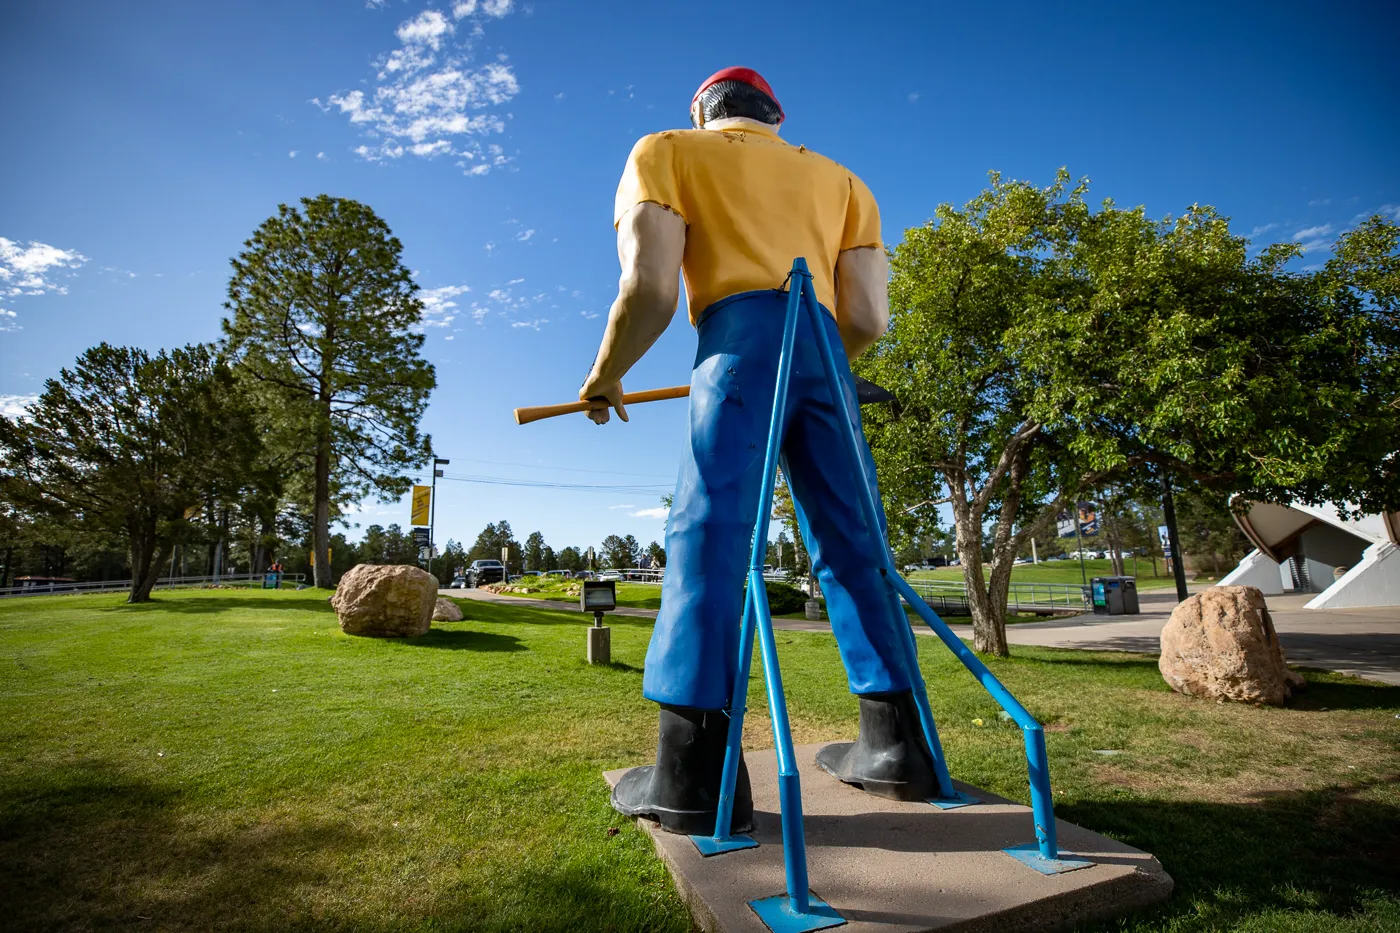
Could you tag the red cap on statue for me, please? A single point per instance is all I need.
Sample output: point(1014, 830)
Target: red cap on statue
point(745, 75)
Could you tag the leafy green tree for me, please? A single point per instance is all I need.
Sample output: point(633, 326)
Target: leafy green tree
point(454, 559)
point(533, 552)
point(326, 319)
point(571, 559)
point(1040, 350)
point(549, 560)
point(620, 552)
point(126, 442)
point(493, 537)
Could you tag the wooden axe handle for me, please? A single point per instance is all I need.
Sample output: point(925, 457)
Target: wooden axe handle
point(539, 412)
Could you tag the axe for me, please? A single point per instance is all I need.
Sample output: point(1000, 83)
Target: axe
point(867, 393)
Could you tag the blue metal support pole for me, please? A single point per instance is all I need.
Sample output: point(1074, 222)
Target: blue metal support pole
point(722, 841)
point(948, 797)
point(1046, 858)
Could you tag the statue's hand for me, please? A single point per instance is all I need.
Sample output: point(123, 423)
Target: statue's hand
point(604, 394)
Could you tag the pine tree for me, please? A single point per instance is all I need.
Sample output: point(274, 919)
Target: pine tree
point(324, 318)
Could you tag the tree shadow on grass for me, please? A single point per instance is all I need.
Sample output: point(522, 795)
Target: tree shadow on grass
point(208, 605)
point(1333, 851)
point(480, 611)
point(455, 639)
point(90, 848)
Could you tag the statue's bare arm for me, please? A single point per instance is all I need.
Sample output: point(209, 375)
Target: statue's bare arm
point(862, 297)
point(650, 245)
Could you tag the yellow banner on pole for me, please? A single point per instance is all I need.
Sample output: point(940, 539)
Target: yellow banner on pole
point(422, 499)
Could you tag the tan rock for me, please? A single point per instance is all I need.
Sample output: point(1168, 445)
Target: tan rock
point(1220, 643)
point(385, 601)
point(446, 611)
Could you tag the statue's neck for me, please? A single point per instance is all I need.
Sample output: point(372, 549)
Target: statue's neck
point(740, 123)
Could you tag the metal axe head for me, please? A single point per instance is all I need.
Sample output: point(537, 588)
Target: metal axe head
point(868, 393)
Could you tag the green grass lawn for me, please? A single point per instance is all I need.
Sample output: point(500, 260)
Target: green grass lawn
point(224, 760)
point(632, 595)
point(1066, 571)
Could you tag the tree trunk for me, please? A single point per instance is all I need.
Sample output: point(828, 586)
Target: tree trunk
point(988, 618)
point(145, 561)
point(320, 529)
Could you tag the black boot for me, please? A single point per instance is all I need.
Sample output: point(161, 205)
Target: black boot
point(890, 758)
point(681, 791)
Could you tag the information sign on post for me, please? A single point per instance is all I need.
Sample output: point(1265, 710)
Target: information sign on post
point(1165, 538)
point(420, 537)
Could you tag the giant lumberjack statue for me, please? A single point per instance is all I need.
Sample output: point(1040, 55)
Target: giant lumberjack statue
point(730, 204)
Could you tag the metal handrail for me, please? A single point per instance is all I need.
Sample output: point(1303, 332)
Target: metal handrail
point(164, 583)
point(1018, 596)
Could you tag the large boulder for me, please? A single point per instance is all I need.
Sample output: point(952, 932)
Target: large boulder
point(445, 610)
point(385, 601)
point(1221, 644)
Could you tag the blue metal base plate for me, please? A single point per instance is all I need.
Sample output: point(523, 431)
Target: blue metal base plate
point(959, 799)
point(779, 915)
point(1029, 854)
point(711, 845)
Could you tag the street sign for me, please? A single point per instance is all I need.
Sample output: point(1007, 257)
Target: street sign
point(427, 553)
point(420, 537)
point(1166, 540)
point(422, 504)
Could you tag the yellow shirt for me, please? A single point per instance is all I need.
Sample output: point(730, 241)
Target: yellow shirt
point(752, 203)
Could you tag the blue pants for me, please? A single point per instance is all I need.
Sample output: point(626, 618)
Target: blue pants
point(694, 648)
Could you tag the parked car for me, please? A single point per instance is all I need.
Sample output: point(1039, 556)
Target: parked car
point(610, 575)
point(459, 582)
point(558, 573)
point(485, 571)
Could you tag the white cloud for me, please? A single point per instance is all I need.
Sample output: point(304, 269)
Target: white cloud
point(26, 270)
point(439, 309)
point(515, 281)
point(293, 153)
point(534, 324)
point(427, 28)
point(428, 98)
point(659, 512)
point(30, 270)
point(1319, 202)
point(12, 406)
point(1311, 233)
point(630, 505)
point(914, 97)
point(1312, 246)
point(322, 156)
point(524, 235)
point(1262, 229)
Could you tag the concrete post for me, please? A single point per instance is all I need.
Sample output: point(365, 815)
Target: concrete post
point(599, 641)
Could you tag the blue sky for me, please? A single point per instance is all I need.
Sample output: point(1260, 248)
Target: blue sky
point(145, 142)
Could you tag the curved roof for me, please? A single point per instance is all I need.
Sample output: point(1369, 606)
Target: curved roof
point(1273, 528)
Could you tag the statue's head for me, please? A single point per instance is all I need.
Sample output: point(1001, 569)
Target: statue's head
point(735, 92)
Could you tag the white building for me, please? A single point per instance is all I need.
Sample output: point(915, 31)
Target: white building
point(1312, 549)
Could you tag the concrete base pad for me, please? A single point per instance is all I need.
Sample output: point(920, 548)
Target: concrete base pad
point(906, 867)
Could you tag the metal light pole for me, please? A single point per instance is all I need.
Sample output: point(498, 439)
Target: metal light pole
point(1169, 519)
point(432, 508)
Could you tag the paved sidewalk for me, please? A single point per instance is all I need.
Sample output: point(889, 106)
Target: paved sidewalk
point(1362, 642)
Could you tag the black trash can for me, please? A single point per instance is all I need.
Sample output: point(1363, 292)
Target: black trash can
point(1108, 596)
point(1130, 596)
point(1114, 596)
